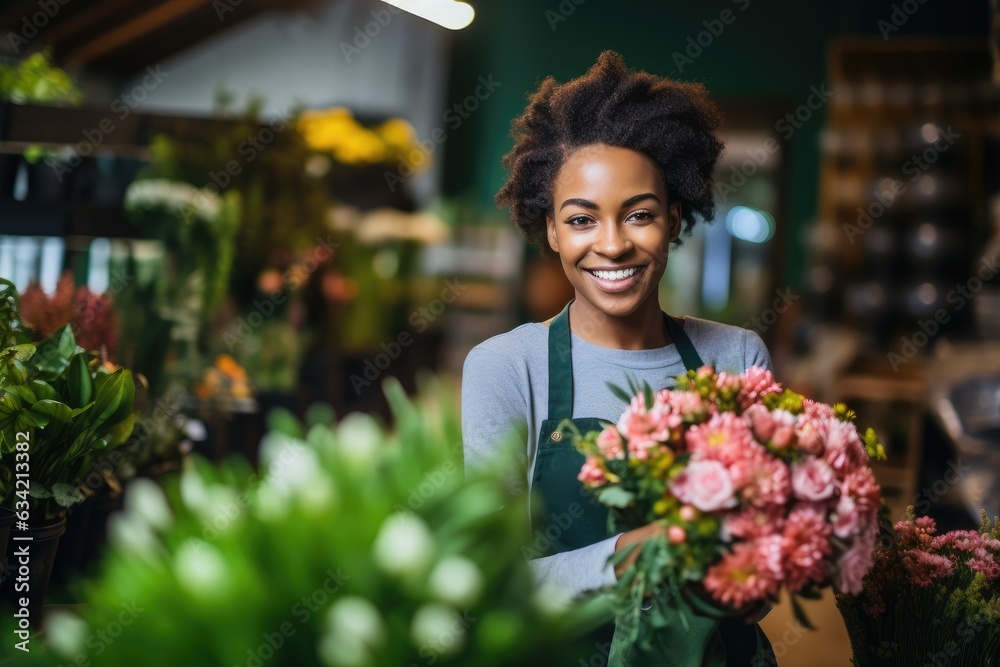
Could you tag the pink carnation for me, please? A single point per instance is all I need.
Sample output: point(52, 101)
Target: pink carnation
point(725, 438)
point(751, 572)
point(813, 479)
point(844, 449)
point(609, 441)
point(757, 383)
point(706, 485)
point(852, 566)
point(752, 523)
point(592, 474)
point(805, 546)
point(861, 487)
point(641, 423)
point(761, 478)
point(815, 410)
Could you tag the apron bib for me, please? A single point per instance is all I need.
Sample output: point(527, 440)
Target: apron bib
point(571, 518)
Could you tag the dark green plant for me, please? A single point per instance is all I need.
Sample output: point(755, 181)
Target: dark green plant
point(58, 408)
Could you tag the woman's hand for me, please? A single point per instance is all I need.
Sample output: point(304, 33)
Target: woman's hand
point(637, 535)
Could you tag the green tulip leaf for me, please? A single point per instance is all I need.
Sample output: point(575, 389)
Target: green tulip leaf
point(43, 390)
point(21, 392)
point(121, 431)
point(80, 382)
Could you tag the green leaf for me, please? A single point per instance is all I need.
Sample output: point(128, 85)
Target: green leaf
point(619, 392)
point(800, 614)
point(55, 353)
point(67, 494)
point(120, 432)
point(43, 390)
point(79, 382)
point(615, 496)
point(54, 409)
point(21, 392)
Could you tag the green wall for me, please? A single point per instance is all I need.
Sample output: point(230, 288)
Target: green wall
point(770, 51)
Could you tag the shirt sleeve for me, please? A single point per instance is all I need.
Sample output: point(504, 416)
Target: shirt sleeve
point(495, 412)
point(755, 353)
point(579, 571)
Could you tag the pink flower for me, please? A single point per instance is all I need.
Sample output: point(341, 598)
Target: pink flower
point(726, 381)
point(762, 423)
point(725, 438)
point(924, 567)
point(784, 429)
point(592, 474)
point(642, 450)
point(752, 523)
point(751, 572)
point(609, 441)
point(757, 383)
point(676, 534)
point(810, 433)
point(640, 422)
point(816, 411)
point(762, 479)
point(844, 449)
point(852, 566)
point(690, 406)
point(805, 546)
point(706, 485)
point(861, 487)
point(813, 479)
point(846, 517)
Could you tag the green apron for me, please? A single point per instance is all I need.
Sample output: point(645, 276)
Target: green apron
point(570, 518)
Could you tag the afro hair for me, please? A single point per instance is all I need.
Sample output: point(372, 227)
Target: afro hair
point(672, 122)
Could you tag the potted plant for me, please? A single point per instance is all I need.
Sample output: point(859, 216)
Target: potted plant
point(34, 80)
point(58, 408)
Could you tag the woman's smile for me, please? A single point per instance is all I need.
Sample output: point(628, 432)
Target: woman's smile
point(616, 280)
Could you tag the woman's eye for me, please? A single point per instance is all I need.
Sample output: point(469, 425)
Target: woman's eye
point(642, 215)
point(579, 220)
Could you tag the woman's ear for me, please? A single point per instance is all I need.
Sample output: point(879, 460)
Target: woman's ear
point(550, 230)
point(675, 220)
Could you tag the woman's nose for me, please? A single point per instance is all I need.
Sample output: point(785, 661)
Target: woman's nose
point(613, 241)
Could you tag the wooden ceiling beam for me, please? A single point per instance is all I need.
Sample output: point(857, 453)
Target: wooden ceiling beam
point(133, 30)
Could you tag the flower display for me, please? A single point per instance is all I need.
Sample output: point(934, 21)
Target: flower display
point(90, 316)
point(336, 131)
point(758, 489)
point(928, 597)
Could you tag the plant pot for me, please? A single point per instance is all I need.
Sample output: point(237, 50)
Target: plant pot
point(36, 572)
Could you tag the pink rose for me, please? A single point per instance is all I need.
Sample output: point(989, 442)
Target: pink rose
point(706, 485)
point(592, 474)
point(813, 480)
point(610, 443)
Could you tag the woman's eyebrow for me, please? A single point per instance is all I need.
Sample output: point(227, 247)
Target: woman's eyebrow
point(586, 203)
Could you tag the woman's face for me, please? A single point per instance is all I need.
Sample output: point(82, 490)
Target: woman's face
point(612, 227)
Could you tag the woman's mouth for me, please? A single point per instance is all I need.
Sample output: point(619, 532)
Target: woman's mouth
point(616, 280)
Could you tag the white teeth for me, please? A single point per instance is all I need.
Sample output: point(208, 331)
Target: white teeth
point(616, 275)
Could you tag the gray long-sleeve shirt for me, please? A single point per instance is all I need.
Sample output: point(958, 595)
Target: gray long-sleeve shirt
point(505, 392)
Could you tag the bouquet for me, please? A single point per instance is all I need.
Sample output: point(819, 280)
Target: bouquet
point(929, 599)
point(757, 488)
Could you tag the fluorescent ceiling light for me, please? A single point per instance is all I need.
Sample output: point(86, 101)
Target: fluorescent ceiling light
point(450, 14)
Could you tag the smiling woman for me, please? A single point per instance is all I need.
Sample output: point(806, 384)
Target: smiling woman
point(607, 170)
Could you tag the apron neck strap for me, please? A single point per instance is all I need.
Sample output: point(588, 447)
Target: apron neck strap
point(561, 361)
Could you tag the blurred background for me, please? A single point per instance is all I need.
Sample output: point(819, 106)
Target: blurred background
point(256, 203)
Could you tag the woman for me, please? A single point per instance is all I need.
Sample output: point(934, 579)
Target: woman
point(605, 172)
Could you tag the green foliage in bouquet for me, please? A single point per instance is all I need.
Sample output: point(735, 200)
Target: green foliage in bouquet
point(58, 408)
point(929, 599)
point(351, 546)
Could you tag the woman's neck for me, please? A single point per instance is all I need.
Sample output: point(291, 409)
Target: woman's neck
point(643, 329)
